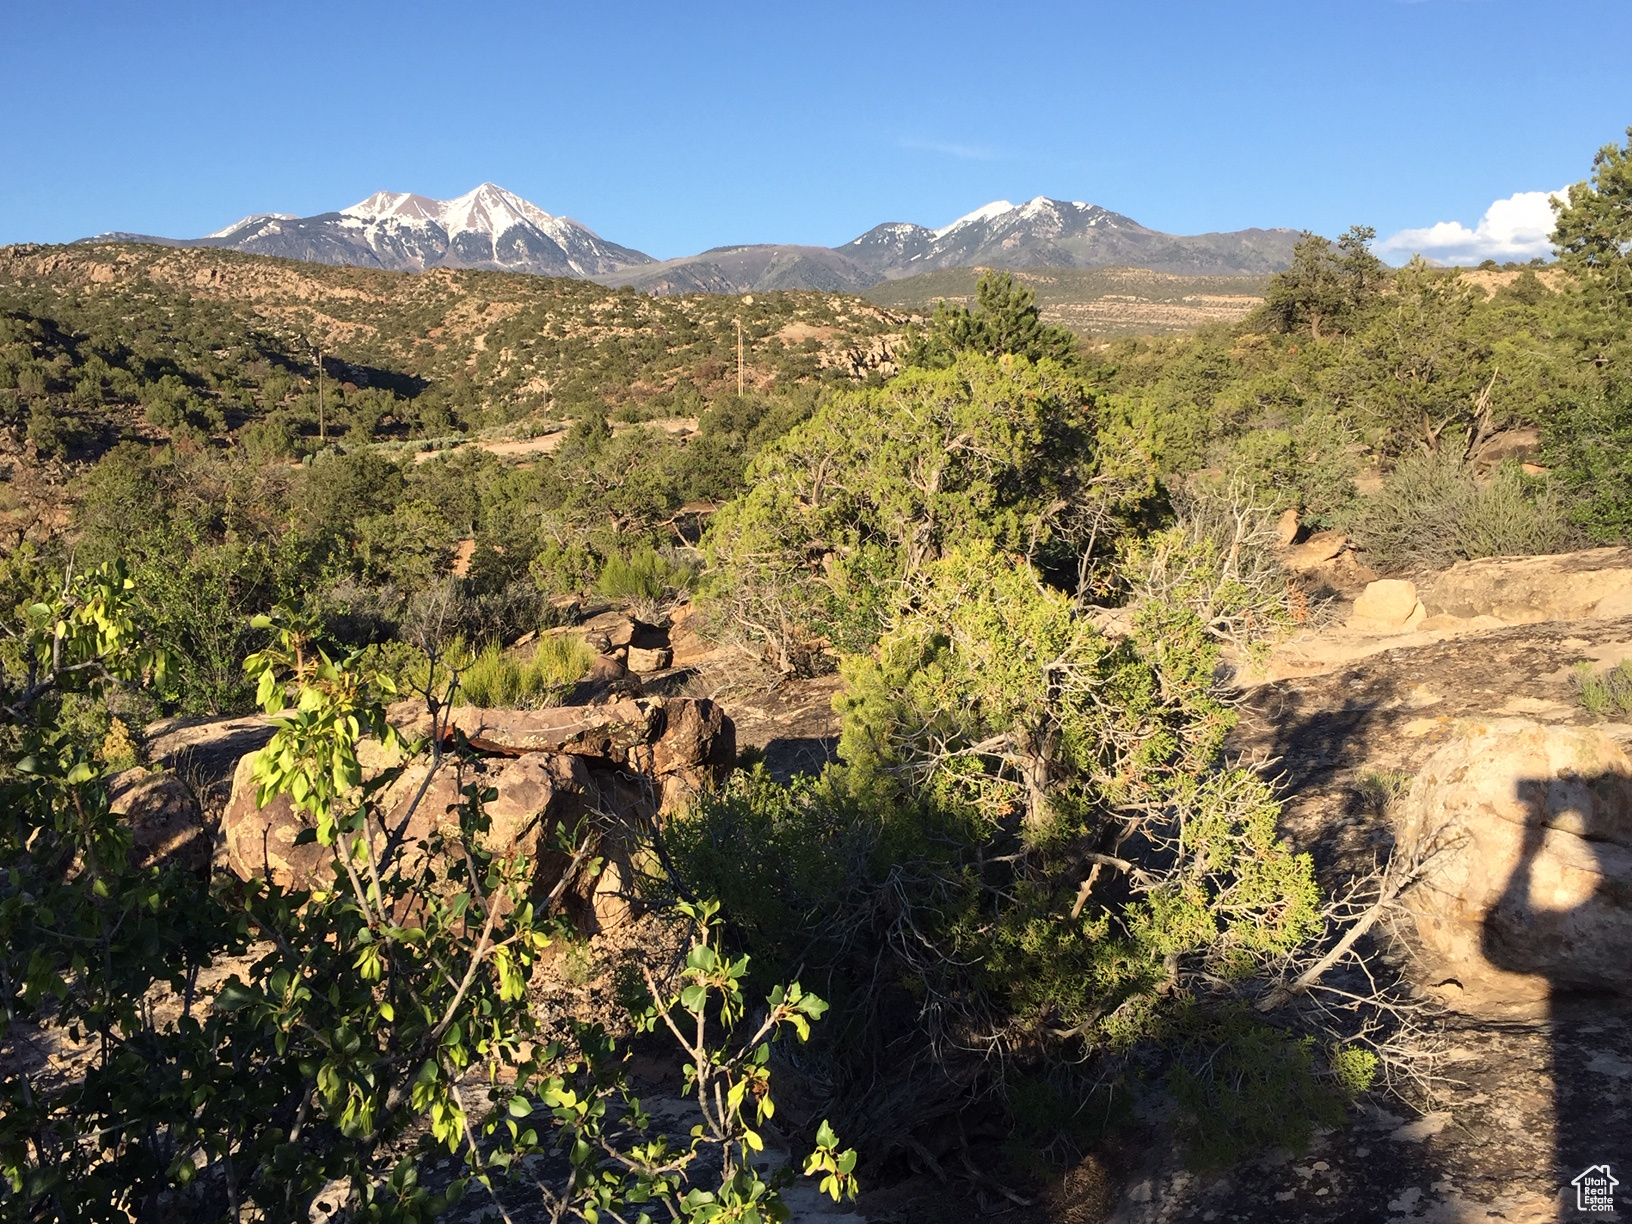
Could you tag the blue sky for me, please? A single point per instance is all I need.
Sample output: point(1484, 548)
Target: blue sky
point(676, 126)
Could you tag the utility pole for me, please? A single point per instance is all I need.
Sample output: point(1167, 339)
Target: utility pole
point(739, 358)
point(322, 424)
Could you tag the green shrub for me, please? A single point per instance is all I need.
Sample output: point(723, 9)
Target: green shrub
point(495, 679)
point(879, 482)
point(498, 679)
point(53, 433)
point(1589, 444)
point(1512, 516)
point(1241, 1085)
point(644, 575)
point(1606, 692)
point(561, 660)
point(270, 440)
point(1431, 512)
point(1308, 467)
point(992, 741)
point(375, 1038)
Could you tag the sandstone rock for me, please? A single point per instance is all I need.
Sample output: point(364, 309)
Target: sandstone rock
point(608, 730)
point(261, 842)
point(1321, 547)
point(1526, 590)
point(696, 750)
point(686, 639)
point(205, 751)
point(1286, 527)
point(1324, 564)
point(610, 902)
point(1389, 605)
point(644, 661)
point(535, 796)
point(1524, 443)
point(609, 631)
point(534, 793)
point(1442, 623)
point(643, 757)
point(605, 669)
point(164, 819)
point(1530, 890)
point(1616, 604)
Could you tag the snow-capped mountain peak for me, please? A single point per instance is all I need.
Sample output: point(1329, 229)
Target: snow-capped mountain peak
point(487, 227)
point(253, 220)
point(984, 213)
point(488, 209)
point(402, 204)
point(491, 228)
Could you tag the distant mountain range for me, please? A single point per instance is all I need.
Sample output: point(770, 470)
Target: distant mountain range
point(496, 229)
point(485, 228)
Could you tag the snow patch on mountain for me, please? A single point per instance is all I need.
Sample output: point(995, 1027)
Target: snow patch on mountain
point(984, 213)
point(253, 221)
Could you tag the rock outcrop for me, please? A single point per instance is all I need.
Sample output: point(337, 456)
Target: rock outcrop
point(1528, 886)
point(164, 819)
point(1389, 605)
point(1326, 564)
point(637, 757)
point(1595, 584)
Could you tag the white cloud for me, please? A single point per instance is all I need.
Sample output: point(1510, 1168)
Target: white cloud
point(1516, 228)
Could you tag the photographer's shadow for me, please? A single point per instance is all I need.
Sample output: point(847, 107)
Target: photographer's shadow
point(1561, 933)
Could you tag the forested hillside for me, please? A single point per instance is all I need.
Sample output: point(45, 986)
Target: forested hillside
point(93, 331)
point(1045, 913)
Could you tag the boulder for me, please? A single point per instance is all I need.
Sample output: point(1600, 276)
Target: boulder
point(668, 734)
point(534, 793)
point(165, 822)
point(1526, 590)
point(1389, 605)
point(262, 842)
point(645, 661)
point(1528, 884)
point(605, 669)
point(608, 730)
point(1509, 444)
point(696, 750)
point(1318, 549)
point(687, 639)
point(609, 631)
point(644, 757)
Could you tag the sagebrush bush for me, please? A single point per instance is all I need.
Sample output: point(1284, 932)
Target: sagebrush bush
point(1431, 513)
point(1512, 516)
